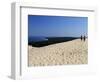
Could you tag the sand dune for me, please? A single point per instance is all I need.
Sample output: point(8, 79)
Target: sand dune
point(71, 52)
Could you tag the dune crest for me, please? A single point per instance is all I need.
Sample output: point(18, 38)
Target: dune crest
point(71, 52)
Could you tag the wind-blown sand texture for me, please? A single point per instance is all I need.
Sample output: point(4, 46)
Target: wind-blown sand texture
point(71, 52)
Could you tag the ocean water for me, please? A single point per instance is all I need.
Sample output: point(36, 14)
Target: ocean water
point(37, 39)
point(41, 38)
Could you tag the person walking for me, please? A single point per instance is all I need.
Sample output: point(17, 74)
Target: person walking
point(84, 38)
point(81, 37)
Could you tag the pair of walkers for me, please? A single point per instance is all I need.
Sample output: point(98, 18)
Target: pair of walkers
point(83, 38)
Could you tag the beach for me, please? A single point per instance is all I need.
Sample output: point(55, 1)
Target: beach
point(65, 53)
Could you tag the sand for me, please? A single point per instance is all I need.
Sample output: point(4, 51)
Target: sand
point(66, 53)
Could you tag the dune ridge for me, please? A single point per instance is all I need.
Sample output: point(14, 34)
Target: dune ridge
point(65, 53)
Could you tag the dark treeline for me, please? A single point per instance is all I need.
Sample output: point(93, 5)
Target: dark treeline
point(51, 40)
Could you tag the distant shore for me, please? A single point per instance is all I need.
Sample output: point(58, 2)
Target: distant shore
point(71, 52)
point(45, 41)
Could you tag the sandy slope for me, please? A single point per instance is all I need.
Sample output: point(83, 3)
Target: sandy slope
point(72, 52)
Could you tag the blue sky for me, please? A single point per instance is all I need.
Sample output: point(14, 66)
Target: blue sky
point(59, 26)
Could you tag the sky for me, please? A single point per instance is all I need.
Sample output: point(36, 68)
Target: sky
point(57, 26)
